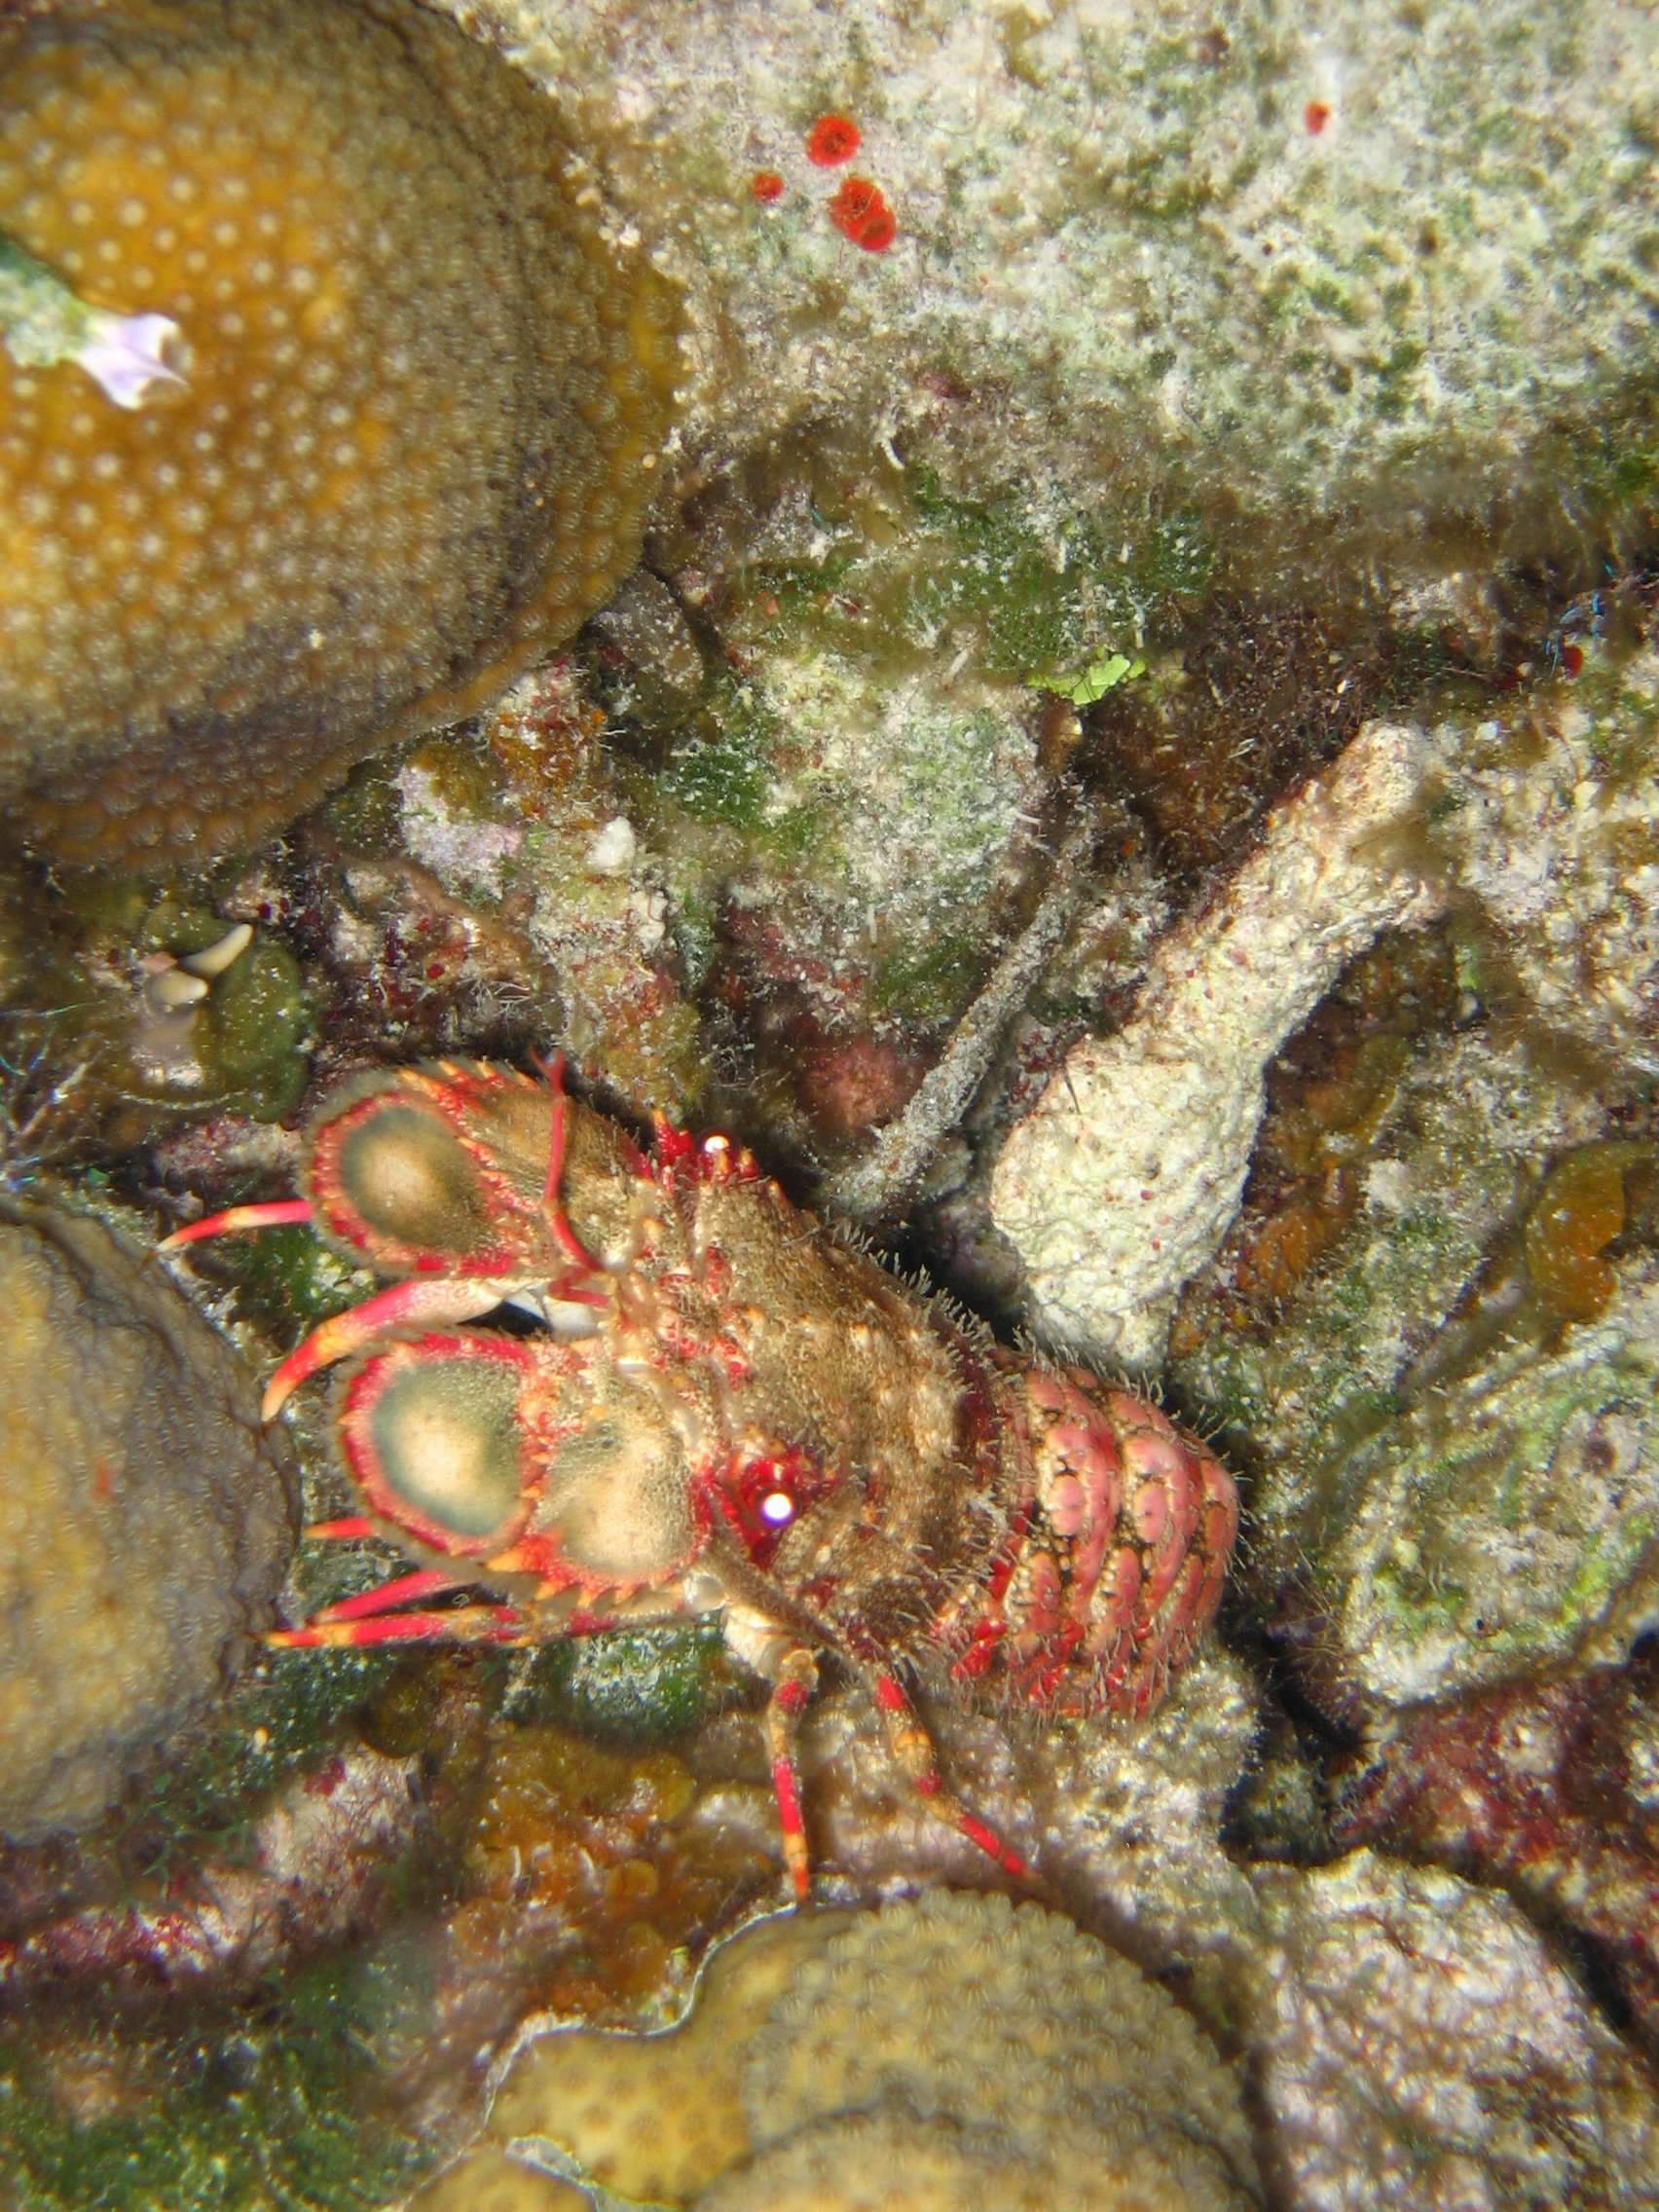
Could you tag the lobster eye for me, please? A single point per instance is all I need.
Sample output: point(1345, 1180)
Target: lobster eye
point(761, 1495)
point(431, 1431)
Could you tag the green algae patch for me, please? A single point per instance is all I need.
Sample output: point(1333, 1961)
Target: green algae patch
point(365, 814)
point(635, 1687)
point(724, 772)
point(1050, 602)
point(281, 1718)
point(286, 1280)
point(257, 1019)
point(259, 2110)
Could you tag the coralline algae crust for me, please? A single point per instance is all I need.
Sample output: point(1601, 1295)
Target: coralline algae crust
point(1360, 271)
point(1508, 1519)
point(1420, 2045)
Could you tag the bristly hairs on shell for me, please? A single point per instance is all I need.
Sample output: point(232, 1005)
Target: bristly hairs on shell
point(962, 1318)
point(1056, 1354)
point(850, 1236)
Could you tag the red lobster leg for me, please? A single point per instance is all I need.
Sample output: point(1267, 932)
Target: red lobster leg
point(276, 1215)
point(912, 1749)
point(404, 1304)
point(401, 1590)
point(796, 1682)
point(460, 1624)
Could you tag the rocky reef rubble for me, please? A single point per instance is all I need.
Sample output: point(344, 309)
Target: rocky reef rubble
point(146, 1520)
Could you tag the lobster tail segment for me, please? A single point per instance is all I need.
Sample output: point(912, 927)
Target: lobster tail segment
point(1116, 1559)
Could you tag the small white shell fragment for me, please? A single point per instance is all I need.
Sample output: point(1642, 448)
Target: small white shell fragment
point(171, 989)
point(611, 852)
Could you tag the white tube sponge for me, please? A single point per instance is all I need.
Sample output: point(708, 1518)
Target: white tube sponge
point(1123, 1181)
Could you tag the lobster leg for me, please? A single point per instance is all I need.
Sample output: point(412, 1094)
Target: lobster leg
point(912, 1750)
point(274, 1215)
point(423, 1582)
point(796, 1683)
point(403, 1305)
point(459, 1624)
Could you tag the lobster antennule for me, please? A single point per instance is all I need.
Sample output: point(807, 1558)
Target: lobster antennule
point(552, 1205)
point(344, 1528)
point(276, 1214)
point(386, 1596)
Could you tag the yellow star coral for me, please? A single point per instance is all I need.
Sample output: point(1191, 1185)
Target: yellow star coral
point(489, 2181)
point(658, 2116)
point(870, 2161)
point(953, 2053)
point(406, 443)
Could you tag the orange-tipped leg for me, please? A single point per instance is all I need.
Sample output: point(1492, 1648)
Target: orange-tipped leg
point(416, 1303)
point(796, 1682)
point(273, 1216)
point(460, 1624)
point(401, 1590)
point(913, 1748)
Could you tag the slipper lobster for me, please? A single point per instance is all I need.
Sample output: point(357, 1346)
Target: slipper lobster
point(724, 1410)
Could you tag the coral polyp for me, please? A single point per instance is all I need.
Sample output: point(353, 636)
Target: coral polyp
point(414, 402)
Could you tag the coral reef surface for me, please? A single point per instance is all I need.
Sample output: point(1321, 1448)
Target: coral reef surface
point(1351, 275)
point(953, 2046)
point(1148, 620)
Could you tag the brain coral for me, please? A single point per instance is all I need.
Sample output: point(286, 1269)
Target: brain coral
point(420, 398)
point(949, 2052)
point(146, 1519)
point(959, 2004)
point(869, 2162)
